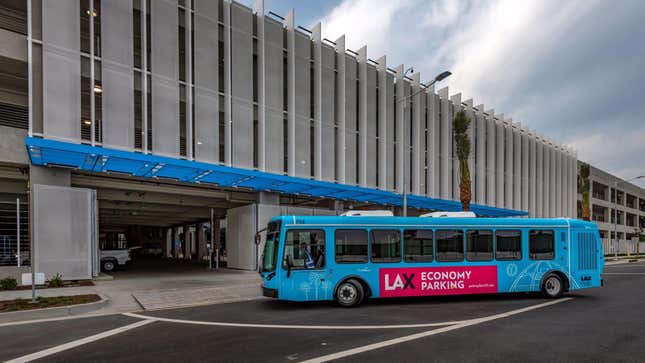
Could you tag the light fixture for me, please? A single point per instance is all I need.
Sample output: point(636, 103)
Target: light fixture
point(98, 89)
point(199, 142)
point(93, 12)
point(87, 122)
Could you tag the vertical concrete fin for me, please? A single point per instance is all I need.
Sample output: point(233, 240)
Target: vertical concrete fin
point(443, 93)
point(316, 37)
point(341, 105)
point(381, 68)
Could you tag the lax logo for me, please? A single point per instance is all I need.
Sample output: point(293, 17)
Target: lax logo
point(399, 283)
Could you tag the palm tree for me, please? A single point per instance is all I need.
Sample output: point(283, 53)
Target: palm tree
point(583, 188)
point(460, 126)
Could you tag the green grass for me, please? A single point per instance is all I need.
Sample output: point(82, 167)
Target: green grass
point(46, 302)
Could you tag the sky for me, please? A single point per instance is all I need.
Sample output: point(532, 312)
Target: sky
point(572, 70)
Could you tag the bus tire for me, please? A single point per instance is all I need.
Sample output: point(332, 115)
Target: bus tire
point(349, 293)
point(553, 286)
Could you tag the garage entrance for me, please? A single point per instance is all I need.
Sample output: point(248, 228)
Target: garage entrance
point(159, 226)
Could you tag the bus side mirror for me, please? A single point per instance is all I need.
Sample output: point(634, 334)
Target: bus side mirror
point(289, 262)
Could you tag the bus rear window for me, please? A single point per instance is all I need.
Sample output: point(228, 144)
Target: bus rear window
point(350, 245)
point(450, 245)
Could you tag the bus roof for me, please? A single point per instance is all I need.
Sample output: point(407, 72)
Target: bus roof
point(428, 221)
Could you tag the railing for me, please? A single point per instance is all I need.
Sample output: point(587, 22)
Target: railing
point(630, 246)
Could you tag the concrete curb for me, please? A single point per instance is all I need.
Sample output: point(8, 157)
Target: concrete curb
point(55, 312)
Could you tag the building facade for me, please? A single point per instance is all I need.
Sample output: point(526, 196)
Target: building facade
point(215, 105)
point(618, 207)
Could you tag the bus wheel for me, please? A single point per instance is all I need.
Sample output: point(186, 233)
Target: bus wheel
point(553, 286)
point(349, 293)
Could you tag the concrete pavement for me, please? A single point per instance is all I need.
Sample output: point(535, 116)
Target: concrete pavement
point(603, 324)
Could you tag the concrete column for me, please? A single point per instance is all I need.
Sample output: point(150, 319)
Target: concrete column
point(480, 175)
point(517, 167)
point(341, 108)
point(415, 166)
point(381, 69)
point(539, 176)
point(446, 146)
point(509, 166)
point(259, 12)
point(490, 157)
point(400, 123)
point(202, 251)
point(168, 246)
point(362, 116)
point(455, 101)
point(291, 94)
point(500, 165)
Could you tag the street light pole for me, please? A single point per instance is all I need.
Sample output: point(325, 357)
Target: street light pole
point(616, 182)
point(406, 150)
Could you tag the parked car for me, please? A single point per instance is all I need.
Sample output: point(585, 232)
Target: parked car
point(111, 259)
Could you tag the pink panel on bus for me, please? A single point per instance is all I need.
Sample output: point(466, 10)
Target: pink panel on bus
point(426, 281)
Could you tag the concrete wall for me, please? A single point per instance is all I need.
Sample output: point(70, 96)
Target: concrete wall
point(309, 85)
point(12, 145)
point(244, 222)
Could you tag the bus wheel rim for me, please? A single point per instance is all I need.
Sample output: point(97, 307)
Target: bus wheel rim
point(347, 293)
point(553, 286)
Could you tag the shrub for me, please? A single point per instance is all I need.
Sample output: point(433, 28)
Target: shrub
point(55, 281)
point(8, 283)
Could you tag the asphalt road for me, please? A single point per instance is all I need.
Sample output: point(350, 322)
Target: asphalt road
point(605, 324)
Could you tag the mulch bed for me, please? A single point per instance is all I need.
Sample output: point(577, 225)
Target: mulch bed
point(46, 302)
point(75, 283)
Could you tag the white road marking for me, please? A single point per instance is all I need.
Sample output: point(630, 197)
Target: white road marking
point(408, 338)
point(23, 322)
point(281, 326)
point(624, 273)
point(78, 343)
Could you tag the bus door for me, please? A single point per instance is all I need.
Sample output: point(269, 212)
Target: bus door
point(304, 272)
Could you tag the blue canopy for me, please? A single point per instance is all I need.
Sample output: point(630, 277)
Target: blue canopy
point(47, 152)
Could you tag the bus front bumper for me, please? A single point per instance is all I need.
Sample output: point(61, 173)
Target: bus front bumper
point(269, 292)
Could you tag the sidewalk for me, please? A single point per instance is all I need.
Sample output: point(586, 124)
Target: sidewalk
point(147, 291)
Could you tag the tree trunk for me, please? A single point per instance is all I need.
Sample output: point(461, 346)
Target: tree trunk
point(465, 194)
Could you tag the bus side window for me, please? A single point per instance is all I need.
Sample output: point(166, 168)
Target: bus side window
point(479, 245)
point(509, 245)
point(541, 244)
point(350, 245)
point(418, 245)
point(386, 245)
point(450, 245)
point(306, 247)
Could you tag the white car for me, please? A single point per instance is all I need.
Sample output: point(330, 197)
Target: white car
point(111, 259)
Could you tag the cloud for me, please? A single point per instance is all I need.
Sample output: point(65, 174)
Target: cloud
point(443, 13)
point(571, 70)
point(367, 22)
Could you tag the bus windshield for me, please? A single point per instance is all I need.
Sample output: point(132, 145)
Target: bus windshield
point(270, 255)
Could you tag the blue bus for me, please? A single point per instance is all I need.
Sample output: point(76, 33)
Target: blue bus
point(352, 258)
